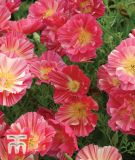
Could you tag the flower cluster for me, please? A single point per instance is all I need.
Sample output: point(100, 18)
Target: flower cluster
point(68, 28)
point(117, 78)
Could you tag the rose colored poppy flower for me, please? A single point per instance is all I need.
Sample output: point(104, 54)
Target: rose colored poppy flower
point(5, 15)
point(15, 78)
point(121, 63)
point(80, 37)
point(64, 141)
point(39, 133)
point(4, 155)
point(45, 64)
point(17, 45)
point(94, 152)
point(49, 36)
point(106, 82)
point(12, 5)
point(94, 7)
point(70, 82)
point(48, 11)
point(121, 108)
point(78, 115)
point(26, 26)
point(3, 125)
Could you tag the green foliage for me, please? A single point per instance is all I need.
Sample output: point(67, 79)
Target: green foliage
point(117, 22)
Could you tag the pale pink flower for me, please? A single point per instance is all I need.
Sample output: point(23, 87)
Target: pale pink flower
point(15, 78)
point(121, 63)
point(94, 152)
point(15, 44)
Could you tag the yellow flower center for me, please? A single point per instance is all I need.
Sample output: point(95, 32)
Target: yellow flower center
point(129, 65)
point(6, 80)
point(85, 7)
point(78, 110)
point(33, 142)
point(84, 3)
point(48, 13)
point(84, 37)
point(10, 48)
point(73, 85)
point(19, 158)
point(115, 82)
point(45, 71)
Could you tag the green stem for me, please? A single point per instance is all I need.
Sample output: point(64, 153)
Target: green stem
point(67, 156)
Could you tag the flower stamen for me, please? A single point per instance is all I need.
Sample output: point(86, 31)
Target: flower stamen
point(129, 65)
point(84, 37)
point(73, 85)
point(6, 80)
point(48, 13)
point(78, 111)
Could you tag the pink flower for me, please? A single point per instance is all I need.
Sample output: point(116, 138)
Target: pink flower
point(15, 78)
point(45, 64)
point(48, 11)
point(94, 7)
point(121, 108)
point(80, 37)
point(49, 36)
point(3, 125)
point(39, 133)
point(12, 5)
point(63, 142)
point(78, 115)
point(70, 82)
point(94, 152)
point(5, 15)
point(4, 155)
point(121, 63)
point(17, 45)
point(26, 26)
point(107, 82)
